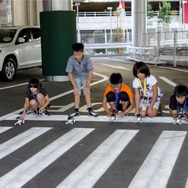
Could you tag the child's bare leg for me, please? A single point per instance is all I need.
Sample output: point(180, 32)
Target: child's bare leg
point(124, 105)
point(153, 112)
point(41, 99)
point(32, 105)
point(88, 100)
point(113, 106)
point(143, 112)
point(77, 100)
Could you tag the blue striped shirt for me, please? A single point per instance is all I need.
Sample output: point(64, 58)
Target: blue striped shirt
point(79, 69)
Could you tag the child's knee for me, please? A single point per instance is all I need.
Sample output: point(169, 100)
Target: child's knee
point(143, 113)
point(40, 96)
point(124, 102)
point(152, 113)
point(87, 92)
point(77, 94)
point(33, 102)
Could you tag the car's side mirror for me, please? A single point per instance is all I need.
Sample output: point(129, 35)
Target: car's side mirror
point(21, 40)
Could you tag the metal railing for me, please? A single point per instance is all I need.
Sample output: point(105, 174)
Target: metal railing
point(105, 43)
point(127, 13)
point(172, 43)
point(105, 46)
point(169, 44)
point(172, 46)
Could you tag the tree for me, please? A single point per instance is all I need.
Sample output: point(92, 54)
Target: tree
point(164, 12)
point(150, 13)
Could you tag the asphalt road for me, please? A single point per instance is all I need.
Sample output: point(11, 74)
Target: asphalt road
point(47, 153)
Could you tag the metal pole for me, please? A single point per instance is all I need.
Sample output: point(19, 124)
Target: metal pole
point(180, 12)
point(77, 21)
point(175, 42)
point(118, 36)
point(158, 45)
point(138, 9)
point(105, 39)
point(110, 8)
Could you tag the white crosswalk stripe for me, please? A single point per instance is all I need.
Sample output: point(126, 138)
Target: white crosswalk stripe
point(158, 165)
point(20, 140)
point(154, 171)
point(3, 129)
point(98, 162)
point(86, 118)
point(27, 170)
point(186, 185)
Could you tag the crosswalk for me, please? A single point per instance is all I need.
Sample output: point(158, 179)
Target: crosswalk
point(86, 118)
point(153, 172)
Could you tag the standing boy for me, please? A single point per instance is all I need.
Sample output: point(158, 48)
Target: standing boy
point(119, 96)
point(179, 102)
point(80, 71)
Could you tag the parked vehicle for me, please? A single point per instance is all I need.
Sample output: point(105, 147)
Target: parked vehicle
point(20, 48)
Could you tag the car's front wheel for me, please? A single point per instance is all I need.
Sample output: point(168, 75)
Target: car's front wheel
point(9, 69)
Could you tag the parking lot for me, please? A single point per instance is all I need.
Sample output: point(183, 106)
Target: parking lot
point(45, 152)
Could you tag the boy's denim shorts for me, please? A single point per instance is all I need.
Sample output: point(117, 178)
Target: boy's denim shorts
point(81, 83)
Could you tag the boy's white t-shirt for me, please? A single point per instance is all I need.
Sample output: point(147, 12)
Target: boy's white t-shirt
point(150, 81)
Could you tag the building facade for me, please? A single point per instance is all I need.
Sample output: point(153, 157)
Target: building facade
point(26, 12)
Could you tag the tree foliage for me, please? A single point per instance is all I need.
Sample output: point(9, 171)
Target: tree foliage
point(150, 12)
point(164, 12)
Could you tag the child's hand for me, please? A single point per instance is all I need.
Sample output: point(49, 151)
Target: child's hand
point(41, 110)
point(186, 118)
point(122, 114)
point(150, 108)
point(23, 116)
point(110, 113)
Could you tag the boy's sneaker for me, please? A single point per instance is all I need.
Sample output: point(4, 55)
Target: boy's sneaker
point(37, 111)
point(31, 113)
point(92, 113)
point(113, 117)
point(47, 113)
point(75, 113)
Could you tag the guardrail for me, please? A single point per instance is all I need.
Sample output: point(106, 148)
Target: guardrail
point(159, 51)
point(105, 46)
point(171, 44)
point(144, 54)
point(127, 13)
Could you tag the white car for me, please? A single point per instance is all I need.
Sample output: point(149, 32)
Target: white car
point(20, 48)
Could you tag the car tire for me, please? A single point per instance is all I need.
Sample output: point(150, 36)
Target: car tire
point(8, 72)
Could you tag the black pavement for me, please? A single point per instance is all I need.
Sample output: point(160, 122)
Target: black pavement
point(93, 152)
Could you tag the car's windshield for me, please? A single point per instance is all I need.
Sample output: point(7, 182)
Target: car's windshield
point(7, 35)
